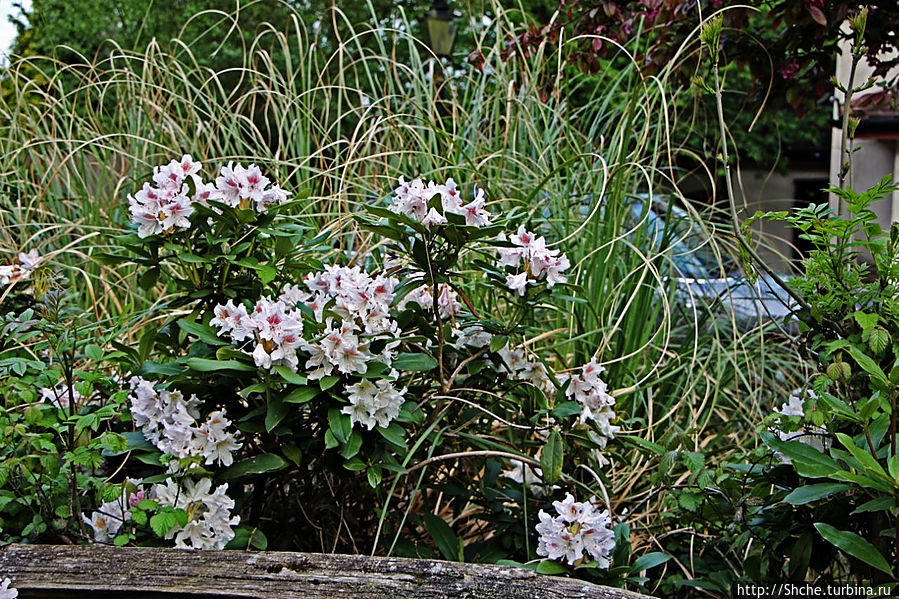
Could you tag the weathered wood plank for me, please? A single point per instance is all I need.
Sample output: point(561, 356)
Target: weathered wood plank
point(79, 572)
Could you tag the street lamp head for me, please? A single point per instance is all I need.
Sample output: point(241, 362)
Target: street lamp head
point(438, 30)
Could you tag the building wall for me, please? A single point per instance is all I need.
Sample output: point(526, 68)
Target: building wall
point(875, 158)
point(765, 191)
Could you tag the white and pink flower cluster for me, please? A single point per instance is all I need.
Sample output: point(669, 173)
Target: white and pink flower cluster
point(373, 403)
point(539, 262)
point(276, 326)
point(577, 527)
point(171, 423)
point(447, 300)
point(59, 397)
point(209, 524)
point(358, 310)
point(592, 393)
point(535, 373)
point(165, 205)
point(412, 199)
point(10, 273)
point(107, 520)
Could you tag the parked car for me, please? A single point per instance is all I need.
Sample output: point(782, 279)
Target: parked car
point(703, 281)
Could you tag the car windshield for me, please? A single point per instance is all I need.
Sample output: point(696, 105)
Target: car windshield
point(690, 247)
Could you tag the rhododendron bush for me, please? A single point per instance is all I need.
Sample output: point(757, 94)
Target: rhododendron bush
point(287, 374)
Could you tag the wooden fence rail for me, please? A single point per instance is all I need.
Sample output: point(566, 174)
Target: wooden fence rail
point(79, 572)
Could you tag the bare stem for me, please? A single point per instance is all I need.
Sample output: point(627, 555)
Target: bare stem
point(733, 205)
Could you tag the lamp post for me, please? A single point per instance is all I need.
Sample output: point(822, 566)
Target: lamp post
point(438, 30)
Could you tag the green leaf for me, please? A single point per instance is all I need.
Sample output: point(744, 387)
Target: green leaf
point(865, 458)
point(394, 434)
point(193, 259)
point(354, 465)
point(854, 545)
point(868, 365)
point(163, 522)
point(374, 477)
point(145, 346)
point(352, 446)
point(121, 540)
point(339, 425)
point(204, 365)
point(648, 561)
point(551, 568)
point(139, 517)
point(267, 274)
point(258, 464)
point(807, 460)
point(148, 279)
point(330, 441)
point(148, 504)
point(293, 453)
point(863, 481)
point(301, 395)
point(875, 505)
point(551, 458)
point(866, 321)
point(275, 413)
point(690, 501)
point(258, 540)
point(93, 352)
point(328, 382)
point(290, 376)
point(809, 493)
point(498, 342)
point(136, 440)
point(565, 409)
point(414, 362)
point(444, 537)
point(204, 333)
point(181, 516)
point(879, 340)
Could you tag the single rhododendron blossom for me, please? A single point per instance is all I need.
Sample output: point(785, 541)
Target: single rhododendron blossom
point(577, 528)
point(106, 521)
point(373, 403)
point(523, 369)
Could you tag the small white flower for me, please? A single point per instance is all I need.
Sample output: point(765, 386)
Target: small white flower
point(518, 282)
point(30, 260)
point(6, 590)
point(450, 197)
point(433, 218)
point(474, 212)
